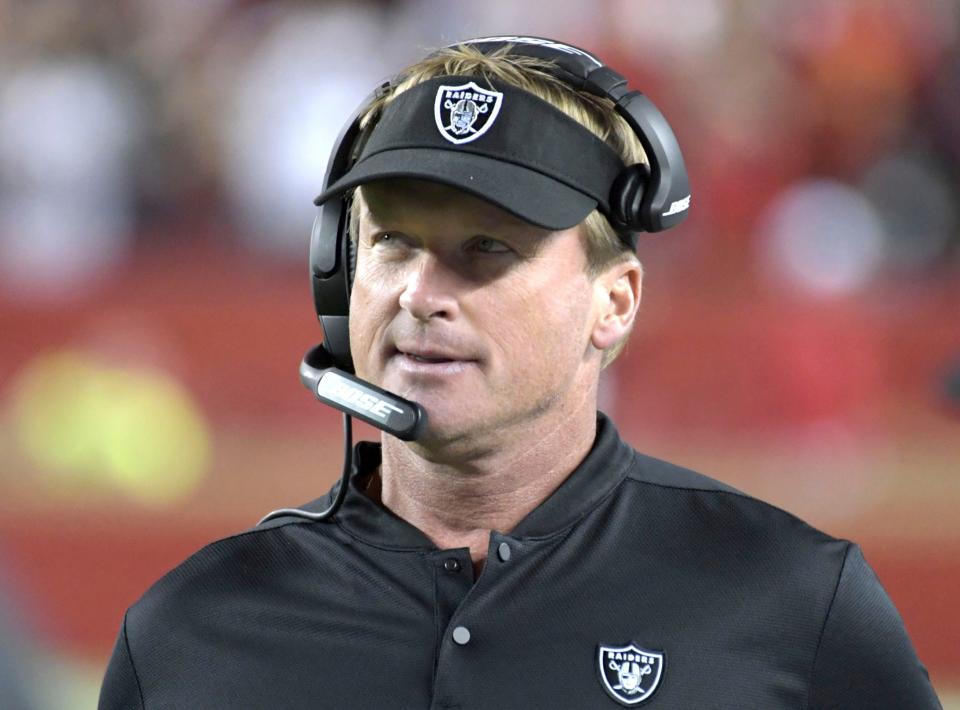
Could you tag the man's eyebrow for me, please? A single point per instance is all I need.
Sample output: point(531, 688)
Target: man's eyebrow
point(366, 218)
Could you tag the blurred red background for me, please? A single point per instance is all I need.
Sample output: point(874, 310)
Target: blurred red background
point(157, 166)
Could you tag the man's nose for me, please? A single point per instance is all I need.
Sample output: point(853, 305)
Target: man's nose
point(431, 290)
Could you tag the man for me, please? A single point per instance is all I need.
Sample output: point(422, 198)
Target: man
point(516, 554)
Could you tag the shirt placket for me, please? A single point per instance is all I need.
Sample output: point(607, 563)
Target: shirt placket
point(460, 637)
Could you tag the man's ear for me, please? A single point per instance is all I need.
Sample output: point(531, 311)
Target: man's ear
point(616, 299)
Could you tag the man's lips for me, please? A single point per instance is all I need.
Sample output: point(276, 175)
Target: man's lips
point(430, 358)
point(427, 359)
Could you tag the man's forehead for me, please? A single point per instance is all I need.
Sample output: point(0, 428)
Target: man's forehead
point(402, 198)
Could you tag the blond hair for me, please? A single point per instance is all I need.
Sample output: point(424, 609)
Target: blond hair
point(602, 244)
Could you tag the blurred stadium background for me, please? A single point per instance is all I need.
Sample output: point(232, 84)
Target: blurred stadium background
point(157, 166)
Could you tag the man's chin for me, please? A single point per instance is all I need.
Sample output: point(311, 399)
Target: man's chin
point(444, 421)
point(450, 434)
point(454, 407)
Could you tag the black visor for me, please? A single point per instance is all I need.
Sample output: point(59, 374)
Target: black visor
point(494, 141)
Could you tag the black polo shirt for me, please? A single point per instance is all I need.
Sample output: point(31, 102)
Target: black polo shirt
point(636, 584)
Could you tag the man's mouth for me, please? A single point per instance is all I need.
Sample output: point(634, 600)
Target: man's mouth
point(422, 358)
point(442, 360)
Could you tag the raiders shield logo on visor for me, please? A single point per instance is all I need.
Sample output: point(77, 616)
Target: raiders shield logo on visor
point(629, 674)
point(465, 112)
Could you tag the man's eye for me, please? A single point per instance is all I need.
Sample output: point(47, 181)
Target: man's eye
point(387, 239)
point(490, 246)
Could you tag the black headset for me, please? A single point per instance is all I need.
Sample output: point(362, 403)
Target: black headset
point(644, 198)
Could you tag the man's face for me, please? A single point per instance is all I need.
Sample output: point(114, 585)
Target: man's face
point(482, 318)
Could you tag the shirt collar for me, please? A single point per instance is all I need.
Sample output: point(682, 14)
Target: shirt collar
point(604, 467)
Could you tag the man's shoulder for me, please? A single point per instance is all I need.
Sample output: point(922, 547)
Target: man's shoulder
point(804, 592)
point(654, 471)
point(192, 630)
point(710, 504)
point(247, 560)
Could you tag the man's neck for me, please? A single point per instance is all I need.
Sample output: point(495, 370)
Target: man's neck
point(457, 505)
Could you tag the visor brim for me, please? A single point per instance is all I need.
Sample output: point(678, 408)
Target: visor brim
point(524, 193)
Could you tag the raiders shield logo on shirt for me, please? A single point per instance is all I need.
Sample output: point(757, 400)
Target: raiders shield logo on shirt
point(465, 112)
point(629, 674)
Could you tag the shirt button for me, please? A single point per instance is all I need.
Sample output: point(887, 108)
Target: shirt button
point(451, 565)
point(503, 551)
point(461, 635)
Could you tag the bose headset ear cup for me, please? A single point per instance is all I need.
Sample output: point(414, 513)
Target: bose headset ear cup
point(626, 198)
point(666, 193)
